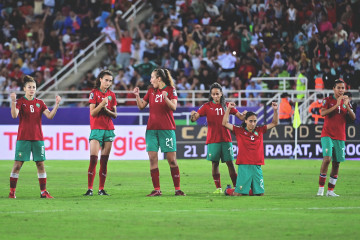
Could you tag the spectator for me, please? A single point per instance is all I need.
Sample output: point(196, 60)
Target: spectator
point(278, 61)
point(285, 109)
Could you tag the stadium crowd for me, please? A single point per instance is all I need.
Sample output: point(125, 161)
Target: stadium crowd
point(39, 37)
point(200, 41)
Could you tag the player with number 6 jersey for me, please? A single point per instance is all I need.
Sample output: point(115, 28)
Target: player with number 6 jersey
point(251, 152)
point(218, 139)
point(335, 108)
point(30, 138)
point(160, 130)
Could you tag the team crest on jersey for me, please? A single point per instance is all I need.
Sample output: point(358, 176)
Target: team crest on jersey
point(38, 105)
point(174, 92)
point(344, 106)
point(256, 133)
point(109, 97)
point(91, 96)
point(324, 101)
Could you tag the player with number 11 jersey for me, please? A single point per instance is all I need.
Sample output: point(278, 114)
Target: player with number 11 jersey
point(218, 140)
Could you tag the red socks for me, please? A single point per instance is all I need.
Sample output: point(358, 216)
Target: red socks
point(233, 178)
point(155, 178)
point(103, 170)
point(42, 181)
point(217, 181)
point(332, 182)
point(13, 180)
point(322, 180)
point(176, 177)
point(92, 171)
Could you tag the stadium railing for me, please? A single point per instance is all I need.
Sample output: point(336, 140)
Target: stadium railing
point(133, 10)
point(71, 67)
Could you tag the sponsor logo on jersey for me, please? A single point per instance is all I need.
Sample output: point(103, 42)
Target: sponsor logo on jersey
point(174, 92)
point(38, 105)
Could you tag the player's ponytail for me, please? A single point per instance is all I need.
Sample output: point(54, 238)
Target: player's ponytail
point(165, 76)
point(222, 99)
point(247, 115)
point(28, 79)
point(101, 75)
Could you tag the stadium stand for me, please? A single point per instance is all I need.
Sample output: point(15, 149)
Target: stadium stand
point(200, 41)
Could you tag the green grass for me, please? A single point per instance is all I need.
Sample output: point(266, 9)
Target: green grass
point(289, 210)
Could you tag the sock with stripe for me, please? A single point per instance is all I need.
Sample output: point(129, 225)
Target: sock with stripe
point(42, 181)
point(92, 171)
point(322, 180)
point(217, 180)
point(175, 173)
point(103, 170)
point(233, 177)
point(155, 178)
point(332, 182)
point(13, 181)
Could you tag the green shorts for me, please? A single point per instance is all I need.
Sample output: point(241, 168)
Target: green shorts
point(102, 136)
point(25, 148)
point(250, 176)
point(328, 144)
point(165, 139)
point(222, 150)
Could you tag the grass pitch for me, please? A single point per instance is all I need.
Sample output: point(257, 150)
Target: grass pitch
point(289, 209)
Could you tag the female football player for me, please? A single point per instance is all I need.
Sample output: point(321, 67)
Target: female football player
point(250, 142)
point(218, 139)
point(102, 110)
point(335, 108)
point(160, 130)
point(30, 138)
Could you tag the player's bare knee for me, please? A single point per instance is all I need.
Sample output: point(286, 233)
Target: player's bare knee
point(40, 166)
point(172, 162)
point(327, 160)
point(17, 166)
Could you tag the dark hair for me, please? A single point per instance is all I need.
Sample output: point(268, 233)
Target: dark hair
point(348, 94)
point(222, 99)
point(28, 79)
point(337, 81)
point(247, 115)
point(101, 75)
point(165, 76)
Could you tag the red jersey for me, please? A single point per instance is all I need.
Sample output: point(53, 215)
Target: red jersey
point(161, 116)
point(214, 115)
point(335, 122)
point(250, 144)
point(102, 120)
point(30, 112)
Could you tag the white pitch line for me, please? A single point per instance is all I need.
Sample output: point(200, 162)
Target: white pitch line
point(183, 210)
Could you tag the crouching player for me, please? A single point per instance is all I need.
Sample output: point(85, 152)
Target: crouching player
point(250, 142)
